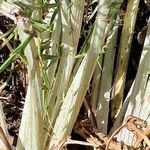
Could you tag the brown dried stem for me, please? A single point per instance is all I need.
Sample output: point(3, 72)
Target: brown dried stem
point(101, 141)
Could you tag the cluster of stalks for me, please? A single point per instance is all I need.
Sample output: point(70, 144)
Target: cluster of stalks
point(61, 71)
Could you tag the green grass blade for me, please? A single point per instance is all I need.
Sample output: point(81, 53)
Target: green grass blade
point(13, 55)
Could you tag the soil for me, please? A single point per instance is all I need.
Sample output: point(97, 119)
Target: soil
point(13, 94)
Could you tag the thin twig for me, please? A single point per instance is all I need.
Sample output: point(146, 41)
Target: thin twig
point(70, 141)
point(116, 132)
point(4, 98)
point(139, 140)
point(4, 139)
